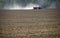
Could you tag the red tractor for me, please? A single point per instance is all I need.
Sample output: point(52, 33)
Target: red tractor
point(37, 8)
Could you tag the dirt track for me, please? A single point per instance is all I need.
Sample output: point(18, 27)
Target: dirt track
point(30, 24)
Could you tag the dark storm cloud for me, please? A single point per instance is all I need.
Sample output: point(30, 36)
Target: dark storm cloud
point(41, 3)
point(23, 2)
point(26, 3)
point(48, 3)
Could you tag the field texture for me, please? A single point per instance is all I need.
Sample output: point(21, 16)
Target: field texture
point(30, 24)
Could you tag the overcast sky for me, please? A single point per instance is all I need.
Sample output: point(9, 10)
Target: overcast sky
point(28, 4)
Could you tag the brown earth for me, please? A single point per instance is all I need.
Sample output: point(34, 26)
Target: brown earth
point(30, 24)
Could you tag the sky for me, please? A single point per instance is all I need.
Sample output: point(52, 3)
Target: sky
point(28, 4)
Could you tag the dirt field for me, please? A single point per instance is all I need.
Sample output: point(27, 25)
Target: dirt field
point(30, 24)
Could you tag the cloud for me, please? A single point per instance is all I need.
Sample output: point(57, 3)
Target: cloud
point(29, 4)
